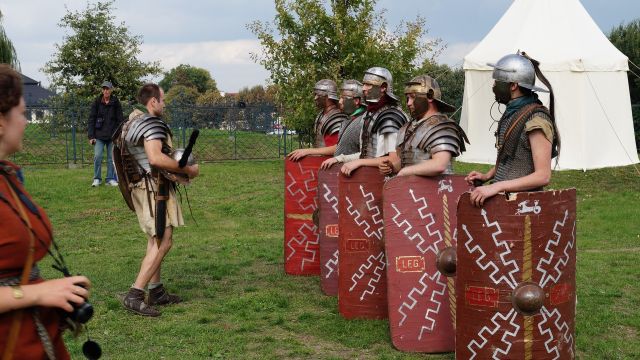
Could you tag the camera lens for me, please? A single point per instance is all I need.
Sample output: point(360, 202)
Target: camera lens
point(82, 313)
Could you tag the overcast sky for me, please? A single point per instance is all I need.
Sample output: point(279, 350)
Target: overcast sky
point(212, 34)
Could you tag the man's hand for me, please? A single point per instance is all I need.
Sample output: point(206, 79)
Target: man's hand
point(475, 175)
point(349, 167)
point(327, 163)
point(92, 141)
point(385, 167)
point(192, 170)
point(297, 155)
point(482, 193)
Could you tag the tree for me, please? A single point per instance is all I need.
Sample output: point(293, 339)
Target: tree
point(209, 98)
point(257, 94)
point(7, 51)
point(97, 50)
point(336, 40)
point(451, 82)
point(189, 76)
point(181, 95)
point(627, 39)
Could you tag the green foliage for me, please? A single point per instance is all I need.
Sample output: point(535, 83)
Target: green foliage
point(181, 95)
point(336, 40)
point(189, 76)
point(97, 49)
point(451, 81)
point(210, 97)
point(257, 94)
point(7, 51)
point(627, 39)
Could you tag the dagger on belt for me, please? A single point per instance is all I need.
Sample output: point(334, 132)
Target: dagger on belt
point(163, 188)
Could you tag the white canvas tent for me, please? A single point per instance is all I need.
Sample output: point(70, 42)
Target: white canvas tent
point(587, 73)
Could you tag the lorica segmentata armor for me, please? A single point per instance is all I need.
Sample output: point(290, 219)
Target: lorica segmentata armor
point(389, 119)
point(420, 140)
point(145, 127)
point(328, 124)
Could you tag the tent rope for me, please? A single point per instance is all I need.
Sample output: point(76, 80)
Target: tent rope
point(631, 71)
point(610, 124)
point(636, 75)
point(471, 96)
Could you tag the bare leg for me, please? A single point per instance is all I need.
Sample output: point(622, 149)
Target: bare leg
point(150, 267)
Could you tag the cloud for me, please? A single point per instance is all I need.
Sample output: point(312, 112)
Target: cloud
point(231, 52)
point(454, 54)
point(229, 62)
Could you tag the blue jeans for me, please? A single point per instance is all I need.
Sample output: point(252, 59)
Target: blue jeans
point(97, 160)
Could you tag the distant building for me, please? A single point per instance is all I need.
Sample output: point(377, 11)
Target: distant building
point(228, 94)
point(34, 94)
point(35, 97)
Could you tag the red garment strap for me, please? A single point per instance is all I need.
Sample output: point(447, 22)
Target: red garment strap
point(16, 322)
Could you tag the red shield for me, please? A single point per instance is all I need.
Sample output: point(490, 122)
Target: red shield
point(419, 218)
point(515, 280)
point(362, 279)
point(329, 229)
point(301, 249)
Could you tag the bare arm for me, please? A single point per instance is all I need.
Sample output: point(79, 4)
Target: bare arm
point(52, 293)
point(541, 175)
point(541, 151)
point(349, 167)
point(160, 160)
point(348, 158)
point(432, 167)
point(298, 154)
point(340, 158)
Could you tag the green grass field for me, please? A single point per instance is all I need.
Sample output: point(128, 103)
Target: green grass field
point(241, 305)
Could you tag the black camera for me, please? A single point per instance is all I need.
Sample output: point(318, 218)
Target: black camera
point(81, 313)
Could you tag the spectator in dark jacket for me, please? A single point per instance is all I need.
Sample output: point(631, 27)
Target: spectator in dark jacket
point(106, 116)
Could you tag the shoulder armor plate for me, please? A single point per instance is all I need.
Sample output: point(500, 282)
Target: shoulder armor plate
point(444, 135)
point(332, 123)
point(389, 120)
point(148, 128)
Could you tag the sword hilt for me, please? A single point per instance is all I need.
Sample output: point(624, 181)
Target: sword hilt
point(187, 151)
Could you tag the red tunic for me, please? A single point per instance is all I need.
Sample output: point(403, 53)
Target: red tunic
point(14, 247)
point(330, 140)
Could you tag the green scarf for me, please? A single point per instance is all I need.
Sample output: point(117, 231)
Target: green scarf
point(358, 111)
point(516, 104)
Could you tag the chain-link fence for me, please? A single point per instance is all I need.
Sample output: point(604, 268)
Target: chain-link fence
point(58, 135)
